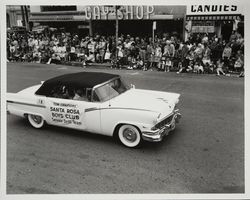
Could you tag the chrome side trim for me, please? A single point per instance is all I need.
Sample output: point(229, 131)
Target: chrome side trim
point(91, 109)
point(112, 108)
point(26, 104)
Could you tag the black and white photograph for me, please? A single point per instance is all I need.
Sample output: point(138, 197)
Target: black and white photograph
point(124, 99)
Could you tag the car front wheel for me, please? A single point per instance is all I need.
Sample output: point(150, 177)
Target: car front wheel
point(36, 121)
point(129, 135)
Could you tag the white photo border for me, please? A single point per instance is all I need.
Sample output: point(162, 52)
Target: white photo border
point(3, 175)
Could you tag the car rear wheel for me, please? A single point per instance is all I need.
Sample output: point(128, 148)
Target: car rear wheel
point(36, 121)
point(129, 135)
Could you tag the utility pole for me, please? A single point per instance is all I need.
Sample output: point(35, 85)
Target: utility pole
point(116, 33)
point(26, 18)
point(23, 17)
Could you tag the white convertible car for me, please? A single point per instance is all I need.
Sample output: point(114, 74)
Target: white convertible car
point(99, 103)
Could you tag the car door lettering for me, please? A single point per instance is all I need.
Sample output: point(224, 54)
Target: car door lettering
point(67, 114)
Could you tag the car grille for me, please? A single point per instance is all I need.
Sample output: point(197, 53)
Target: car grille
point(164, 122)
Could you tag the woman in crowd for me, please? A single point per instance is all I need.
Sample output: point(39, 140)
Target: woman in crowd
point(226, 55)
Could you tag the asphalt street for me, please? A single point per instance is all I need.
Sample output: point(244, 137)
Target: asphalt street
point(205, 154)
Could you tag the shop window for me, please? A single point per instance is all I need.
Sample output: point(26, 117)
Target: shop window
point(58, 8)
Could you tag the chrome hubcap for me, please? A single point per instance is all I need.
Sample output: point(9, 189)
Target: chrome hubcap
point(36, 119)
point(129, 135)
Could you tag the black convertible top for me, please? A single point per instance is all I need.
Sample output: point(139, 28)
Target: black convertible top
point(79, 80)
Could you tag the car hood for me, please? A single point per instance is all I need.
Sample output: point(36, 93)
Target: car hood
point(155, 101)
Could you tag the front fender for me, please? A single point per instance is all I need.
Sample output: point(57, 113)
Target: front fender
point(110, 118)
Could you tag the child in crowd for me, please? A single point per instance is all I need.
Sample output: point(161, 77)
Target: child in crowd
point(168, 65)
point(55, 59)
point(139, 64)
point(238, 64)
point(198, 68)
point(190, 66)
point(133, 63)
point(37, 55)
point(84, 60)
point(219, 69)
point(107, 56)
point(211, 67)
point(113, 62)
point(162, 64)
point(181, 68)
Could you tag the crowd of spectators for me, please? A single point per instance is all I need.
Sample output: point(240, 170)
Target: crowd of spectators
point(201, 53)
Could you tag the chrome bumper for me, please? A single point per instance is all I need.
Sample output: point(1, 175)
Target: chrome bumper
point(157, 135)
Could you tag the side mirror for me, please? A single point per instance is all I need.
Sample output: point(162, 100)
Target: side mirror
point(132, 86)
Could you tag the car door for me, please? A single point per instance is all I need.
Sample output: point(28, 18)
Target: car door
point(73, 114)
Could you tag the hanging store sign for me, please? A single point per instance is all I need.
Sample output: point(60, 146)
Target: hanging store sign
point(203, 27)
point(214, 10)
point(124, 12)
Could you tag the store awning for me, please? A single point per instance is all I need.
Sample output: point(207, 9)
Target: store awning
point(42, 18)
point(211, 17)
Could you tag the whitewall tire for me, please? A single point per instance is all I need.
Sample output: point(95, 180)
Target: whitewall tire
point(129, 135)
point(36, 121)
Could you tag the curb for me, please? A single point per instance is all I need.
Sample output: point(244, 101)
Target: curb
point(79, 64)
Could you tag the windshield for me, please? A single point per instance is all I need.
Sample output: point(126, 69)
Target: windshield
point(110, 90)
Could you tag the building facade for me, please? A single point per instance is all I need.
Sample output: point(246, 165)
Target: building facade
point(138, 20)
point(133, 20)
point(219, 19)
point(13, 16)
point(17, 15)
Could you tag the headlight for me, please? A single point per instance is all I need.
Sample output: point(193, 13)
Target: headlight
point(154, 128)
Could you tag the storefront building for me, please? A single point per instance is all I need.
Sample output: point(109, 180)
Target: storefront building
point(133, 20)
point(214, 19)
point(16, 15)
